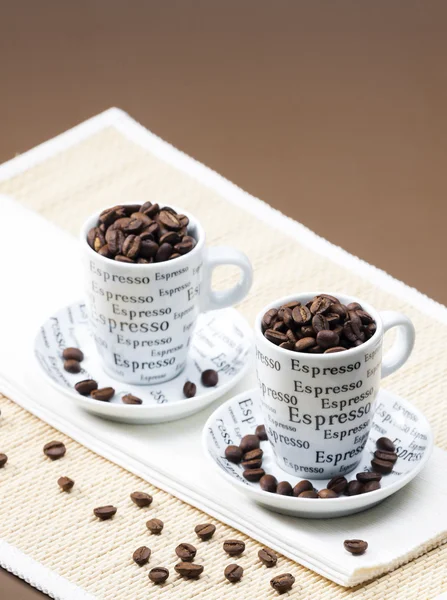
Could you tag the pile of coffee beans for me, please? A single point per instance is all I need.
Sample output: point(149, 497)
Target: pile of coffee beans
point(323, 325)
point(141, 233)
point(72, 359)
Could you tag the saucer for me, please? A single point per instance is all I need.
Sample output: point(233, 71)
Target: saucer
point(395, 418)
point(222, 341)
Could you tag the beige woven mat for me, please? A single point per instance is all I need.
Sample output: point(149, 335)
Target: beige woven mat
point(58, 529)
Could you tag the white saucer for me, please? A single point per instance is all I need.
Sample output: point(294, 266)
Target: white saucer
point(395, 418)
point(222, 341)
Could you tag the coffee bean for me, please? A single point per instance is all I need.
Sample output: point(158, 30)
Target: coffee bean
point(268, 483)
point(158, 575)
point(280, 326)
point(171, 237)
point(115, 240)
point(233, 454)
point(210, 378)
point(155, 526)
point(353, 488)
point(302, 486)
point(255, 463)
point(141, 499)
point(308, 331)
point(308, 494)
point(148, 248)
point(249, 442)
point(3, 460)
point(253, 474)
point(282, 583)
point(103, 394)
point(326, 493)
point(287, 346)
point(385, 444)
point(257, 453)
point(320, 323)
point(261, 433)
point(327, 339)
point(73, 354)
point(99, 242)
point(234, 547)
point(368, 476)
point(124, 259)
point(186, 245)
point(292, 336)
point(169, 220)
point(54, 450)
point(86, 386)
point(276, 337)
point(335, 349)
point(186, 552)
point(355, 546)
point(189, 570)
point(105, 512)
point(316, 350)
point(354, 306)
point(301, 315)
point(267, 557)
point(141, 555)
point(304, 344)
point(338, 484)
point(65, 483)
point(131, 246)
point(384, 455)
point(104, 251)
point(371, 486)
point(284, 488)
point(382, 466)
point(189, 389)
point(269, 319)
point(205, 531)
point(91, 236)
point(320, 305)
point(233, 573)
point(72, 366)
point(131, 399)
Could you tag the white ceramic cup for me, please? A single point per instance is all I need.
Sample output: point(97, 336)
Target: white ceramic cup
point(142, 316)
point(318, 408)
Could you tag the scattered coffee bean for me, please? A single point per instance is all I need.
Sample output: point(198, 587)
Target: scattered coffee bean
point(205, 531)
point(268, 483)
point(302, 486)
point(355, 546)
point(86, 386)
point(105, 512)
point(141, 555)
point(338, 484)
point(354, 488)
point(155, 526)
point(131, 399)
point(255, 454)
point(141, 499)
point(382, 466)
point(72, 366)
point(388, 456)
point(284, 488)
point(65, 483)
point(233, 454)
point(3, 460)
point(54, 450)
point(386, 444)
point(253, 474)
point(326, 493)
point(261, 433)
point(148, 234)
point(210, 378)
point(73, 354)
point(368, 476)
point(233, 573)
point(234, 547)
point(103, 394)
point(371, 486)
point(255, 463)
point(282, 583)
point(186, 552)
point(158, 575)
point(267, 557)
point(189, 389)
point(189, 570)
point(249, 442)
point(308, 494)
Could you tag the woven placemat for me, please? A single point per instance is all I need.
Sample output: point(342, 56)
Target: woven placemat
point(58, 529)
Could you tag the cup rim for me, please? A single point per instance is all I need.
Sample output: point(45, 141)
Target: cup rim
point(346, 298)
point(93, 219)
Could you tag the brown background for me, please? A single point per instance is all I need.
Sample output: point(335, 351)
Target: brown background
point(333, 112)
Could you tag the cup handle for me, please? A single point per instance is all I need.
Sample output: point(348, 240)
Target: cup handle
point(224, 255)
point(402, 347)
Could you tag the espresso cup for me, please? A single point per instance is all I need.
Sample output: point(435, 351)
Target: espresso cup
point(318, 408)
point(142, 316)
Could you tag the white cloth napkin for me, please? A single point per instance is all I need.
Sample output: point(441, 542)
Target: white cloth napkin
point(37, 283)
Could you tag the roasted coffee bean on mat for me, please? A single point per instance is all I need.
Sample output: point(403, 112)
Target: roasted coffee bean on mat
point(65, 483)
point(155, 526)
point(141, 499)
point(261, 433)
point(282, 583)
point(73, 354)
point(86, 387)
point(186, 552)
point(234, 547)
point(267, 557)
point(141, 234)
point(355, 546)
point(189, 570)
point(210, 378)
point(103, 394)
point(72, 366)
point(131, 399)
point(233, 454)
point(105, 512)
point(158, 575)
point(205, 531)
point(189, 389)
point(233, 573)
point(54, 450)
point(3, 460)
point(141, 555)
point(323, 325)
